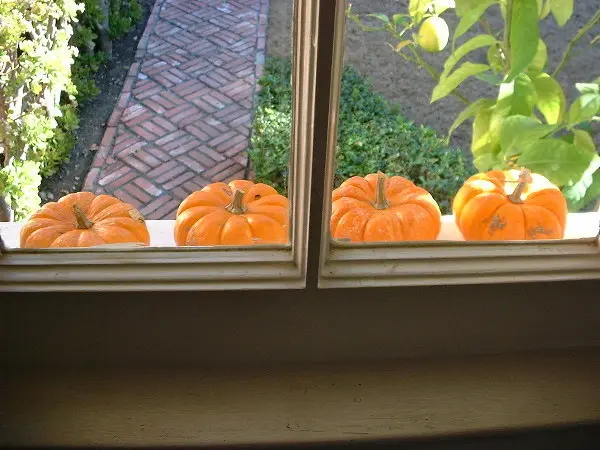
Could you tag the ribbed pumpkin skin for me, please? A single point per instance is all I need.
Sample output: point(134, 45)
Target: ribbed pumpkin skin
point(483, 209)
point(55, 225)
point(408, 212)
point(205, 218)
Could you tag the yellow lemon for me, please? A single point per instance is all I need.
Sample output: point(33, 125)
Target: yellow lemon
point(433, 34)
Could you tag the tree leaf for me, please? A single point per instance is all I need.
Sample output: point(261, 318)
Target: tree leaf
point(481, 40)
point(582, 138)
point(562, 163)
point(447, 85)
point(385, 19)
point(561, 10)
point(540, 59)
point(585, 190)
point(518, 132)
point(588, 88)
point(584, 108)
point(524, 36)
point(399, 19)
point(545, 10)
point(402, 44)
point(551, 99)
point(486, 161)
point(417, 9)
point(524, 96)
point(469, 12)
point(439, 6)
point(468, 112)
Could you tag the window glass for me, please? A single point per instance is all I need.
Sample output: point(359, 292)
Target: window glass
point(521, 162)
point(161, 126)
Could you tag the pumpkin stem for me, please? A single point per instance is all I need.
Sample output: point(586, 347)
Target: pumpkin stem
point(236, 206)
point(83, 223)
point(381, 202)
point(524, 180)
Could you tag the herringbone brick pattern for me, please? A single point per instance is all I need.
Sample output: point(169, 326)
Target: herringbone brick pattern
point(183, 118)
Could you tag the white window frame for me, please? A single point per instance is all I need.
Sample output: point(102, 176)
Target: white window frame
point(312, 259)
point(436, 262)
point(264, 267)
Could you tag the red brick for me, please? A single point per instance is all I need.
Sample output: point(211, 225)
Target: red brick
point(170, 174)
point(144, 133)
point(149, 187)
point(136, 164)
point(112, 175)
point(147, 158)
point(108, 137)
point(197, 132)
point(180, 147)
point(158, 153)
point(215, 156)
point(218, 168)
point(170, 137)
point(90, 179)
point(124, 179)
point(137, 193)
point(190, 163)
point(154, 205)
point(180, 179)
point(166, 212)
point(154, 106)
point(161, 169)
point(164, 124)
point(155, 129)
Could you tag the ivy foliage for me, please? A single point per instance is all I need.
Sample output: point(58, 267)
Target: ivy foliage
point(372, 136)
point(49, 50)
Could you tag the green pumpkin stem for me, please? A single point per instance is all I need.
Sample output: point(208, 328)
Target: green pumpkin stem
point(524, 180)
point(236, 206)
point(381, 202)
point(83, 223)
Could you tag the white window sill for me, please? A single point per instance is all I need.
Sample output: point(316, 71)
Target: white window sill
point(579, 226)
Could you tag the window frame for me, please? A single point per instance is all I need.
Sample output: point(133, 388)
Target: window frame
point(227, 268)
point(432, 262)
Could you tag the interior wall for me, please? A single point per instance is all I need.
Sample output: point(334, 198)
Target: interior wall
point(277, 326)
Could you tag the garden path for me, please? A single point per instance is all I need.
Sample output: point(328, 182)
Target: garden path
point(183, 117)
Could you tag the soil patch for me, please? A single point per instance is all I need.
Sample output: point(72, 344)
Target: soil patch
point(410, 87)
point(94, 114)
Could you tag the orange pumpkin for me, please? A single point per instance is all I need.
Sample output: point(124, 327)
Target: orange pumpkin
point(84, 219)
point(377, 208)
point(510, 205)
point(238, 213)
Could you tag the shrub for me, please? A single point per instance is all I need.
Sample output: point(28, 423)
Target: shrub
point(372, 136)
point(39, 60)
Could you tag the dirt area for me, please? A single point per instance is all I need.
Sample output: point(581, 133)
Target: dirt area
point(401, 82)
point(94, 114)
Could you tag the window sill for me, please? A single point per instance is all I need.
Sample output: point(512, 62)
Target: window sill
point(300, 403)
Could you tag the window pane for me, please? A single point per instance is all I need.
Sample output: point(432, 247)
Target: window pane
point(167, 110)
point(412, 74)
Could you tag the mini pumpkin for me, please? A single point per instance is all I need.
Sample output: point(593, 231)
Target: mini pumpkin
point(84, 219)
point(238, 213)
point(378, 208)
point(510, 205)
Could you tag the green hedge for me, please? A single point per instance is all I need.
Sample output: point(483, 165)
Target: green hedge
point(372, 136)
point(49, 50)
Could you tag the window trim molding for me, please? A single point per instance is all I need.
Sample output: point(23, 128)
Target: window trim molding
point(436, 262)
point(264, 267)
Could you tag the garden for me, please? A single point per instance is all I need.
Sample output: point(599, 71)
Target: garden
point(475, 102)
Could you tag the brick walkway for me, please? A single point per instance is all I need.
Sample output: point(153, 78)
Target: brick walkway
point(183, 118)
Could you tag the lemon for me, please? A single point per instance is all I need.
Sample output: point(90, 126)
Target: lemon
point(433, 34)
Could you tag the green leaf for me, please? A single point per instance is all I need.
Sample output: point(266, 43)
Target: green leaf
point(495, 60)
point(561, 10)
point(468, 112)
point(401, 45)
point(470, 12)
point(518, 132)
point(524, 36)
point(486, 161)
point(588, 88)
point(582, 138)
point(585, 190)
point(540, 59)
point(385, 19)
point(551, 99)
point(524, 96)
point(584, 108)
point(399, 19)
point(481, 40)
point(439, 6)
point(545, 10)
point(562, 163)
point(417, 9)
point(447, 85)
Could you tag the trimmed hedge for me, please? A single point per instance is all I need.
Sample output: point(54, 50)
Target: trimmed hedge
point(372, 136)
